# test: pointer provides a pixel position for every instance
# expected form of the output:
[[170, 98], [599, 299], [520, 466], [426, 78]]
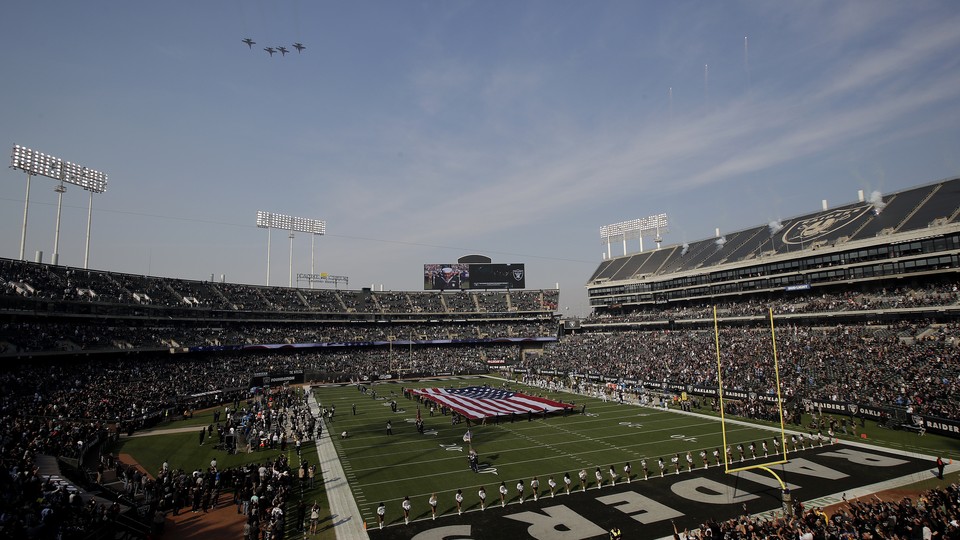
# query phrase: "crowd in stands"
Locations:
[[934, 514], [33, 506], [931, 295], [59, 408], [421, 359], [37, 336], [40, 281], [858, 363]]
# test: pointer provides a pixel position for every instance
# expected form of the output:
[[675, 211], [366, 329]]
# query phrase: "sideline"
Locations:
[[343, 508]]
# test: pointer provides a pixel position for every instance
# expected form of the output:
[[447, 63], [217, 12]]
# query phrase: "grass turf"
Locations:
[[384, 468]]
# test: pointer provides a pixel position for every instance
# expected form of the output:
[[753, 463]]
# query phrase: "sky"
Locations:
[[423, 131]]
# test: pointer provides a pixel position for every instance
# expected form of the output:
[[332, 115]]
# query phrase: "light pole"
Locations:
[[313, 243], [26, 207], [290, 280], [269, 220], [268, 256], [39, 164], [56, 233], [635, 228]]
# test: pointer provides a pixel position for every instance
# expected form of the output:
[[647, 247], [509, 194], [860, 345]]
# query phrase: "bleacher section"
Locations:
[[59, 310], [911, 232]]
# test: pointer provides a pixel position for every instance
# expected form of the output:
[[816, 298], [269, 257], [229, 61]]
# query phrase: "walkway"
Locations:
[[343, 509]]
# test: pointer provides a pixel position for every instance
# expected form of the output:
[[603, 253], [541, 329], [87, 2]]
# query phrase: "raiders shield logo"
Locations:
[[822, 224], [917, 420], [853, 408], [518, 274]]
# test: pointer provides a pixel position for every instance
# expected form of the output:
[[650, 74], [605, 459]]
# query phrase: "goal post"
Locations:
[[782, 455]]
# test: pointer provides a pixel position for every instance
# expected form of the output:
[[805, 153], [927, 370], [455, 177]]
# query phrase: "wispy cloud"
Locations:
[[896, 61], [579, 166]]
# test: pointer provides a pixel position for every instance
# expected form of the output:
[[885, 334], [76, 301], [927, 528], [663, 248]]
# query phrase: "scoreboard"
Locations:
[[460, 276]]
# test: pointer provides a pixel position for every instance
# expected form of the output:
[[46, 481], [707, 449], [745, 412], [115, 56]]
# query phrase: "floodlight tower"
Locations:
[[623, 229], [654, 226], [36, 163], [635, 228], [270, 220], [317, 228]]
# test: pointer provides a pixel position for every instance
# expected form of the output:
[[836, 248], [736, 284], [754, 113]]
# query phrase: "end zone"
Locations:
[[645, 509]]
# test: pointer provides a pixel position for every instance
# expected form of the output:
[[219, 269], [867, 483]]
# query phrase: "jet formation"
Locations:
[[270, 50]]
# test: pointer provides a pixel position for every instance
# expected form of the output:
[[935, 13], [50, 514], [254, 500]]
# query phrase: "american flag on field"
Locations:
[[475, 402]]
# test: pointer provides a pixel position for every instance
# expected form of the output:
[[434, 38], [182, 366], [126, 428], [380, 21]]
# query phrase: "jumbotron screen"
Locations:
[[440, 277]]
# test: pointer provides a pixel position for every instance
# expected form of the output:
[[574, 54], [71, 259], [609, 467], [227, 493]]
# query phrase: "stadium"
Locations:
[[110, 377], [454, 358]]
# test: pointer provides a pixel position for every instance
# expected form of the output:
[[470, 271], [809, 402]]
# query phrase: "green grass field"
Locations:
[[384, 468], [183, 451]]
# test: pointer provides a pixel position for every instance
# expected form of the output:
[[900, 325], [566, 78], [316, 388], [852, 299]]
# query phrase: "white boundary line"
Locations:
[[344, 512]]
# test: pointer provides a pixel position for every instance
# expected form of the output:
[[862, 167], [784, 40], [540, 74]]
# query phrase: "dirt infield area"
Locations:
[[222, 522]]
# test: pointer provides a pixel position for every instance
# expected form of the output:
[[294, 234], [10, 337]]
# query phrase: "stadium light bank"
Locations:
[[635, 228], [314, 227], [39, 164]]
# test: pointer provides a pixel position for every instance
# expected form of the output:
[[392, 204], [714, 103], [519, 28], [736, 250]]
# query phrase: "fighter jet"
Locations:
[[283, 51], [250, 43], [270, 50], [299, 47]]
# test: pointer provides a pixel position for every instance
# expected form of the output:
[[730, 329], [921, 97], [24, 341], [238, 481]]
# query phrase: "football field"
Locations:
[[382, 468]]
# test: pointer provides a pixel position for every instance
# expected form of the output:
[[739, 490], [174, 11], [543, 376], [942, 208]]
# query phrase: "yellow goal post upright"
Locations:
[[785, 493]]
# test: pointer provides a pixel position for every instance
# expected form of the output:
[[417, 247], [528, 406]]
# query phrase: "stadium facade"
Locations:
[[912, 234]]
